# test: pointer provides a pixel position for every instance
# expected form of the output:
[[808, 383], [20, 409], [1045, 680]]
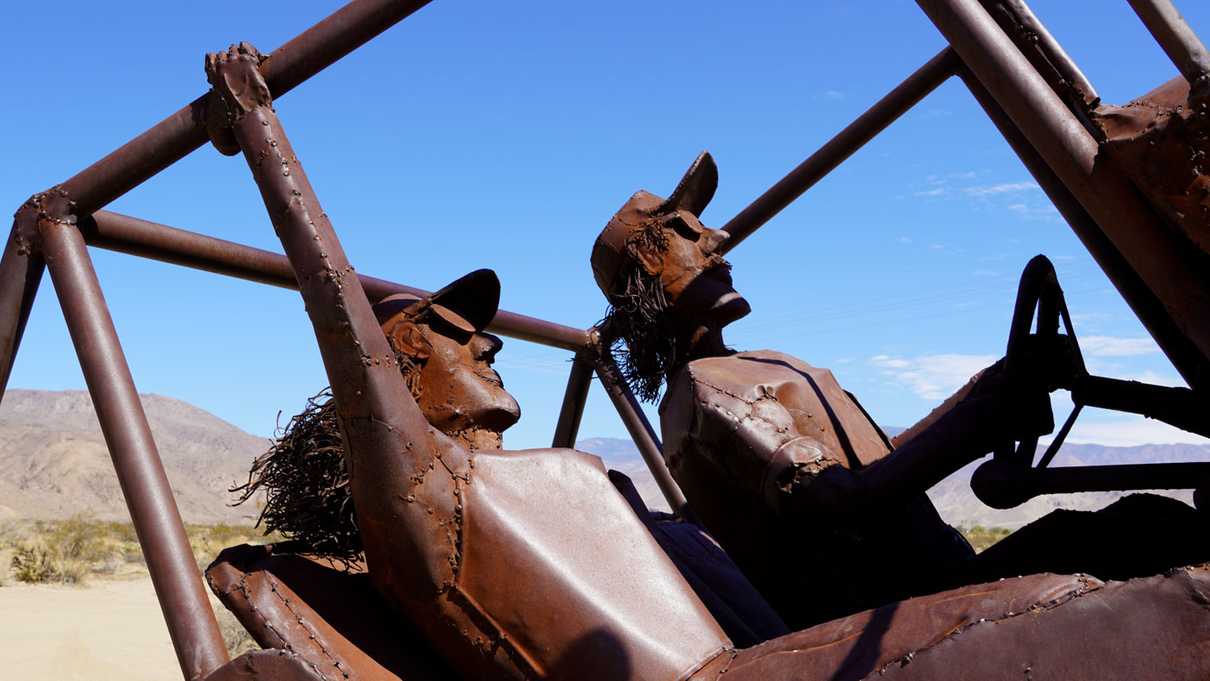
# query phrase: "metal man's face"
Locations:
[[695, 277], [459, 389]]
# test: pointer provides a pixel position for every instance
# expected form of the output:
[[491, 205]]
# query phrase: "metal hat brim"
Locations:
[[468, 303]]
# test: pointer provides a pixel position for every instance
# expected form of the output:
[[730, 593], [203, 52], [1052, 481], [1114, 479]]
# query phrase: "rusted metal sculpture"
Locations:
[[451, 535], [1148, 242]]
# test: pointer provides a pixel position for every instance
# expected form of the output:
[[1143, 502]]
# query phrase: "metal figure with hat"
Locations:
[[788, 471]]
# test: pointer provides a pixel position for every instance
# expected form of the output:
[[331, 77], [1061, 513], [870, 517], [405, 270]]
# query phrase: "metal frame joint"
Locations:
[[237, 88]]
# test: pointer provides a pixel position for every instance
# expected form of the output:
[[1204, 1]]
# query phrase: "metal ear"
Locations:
[[696, 188]]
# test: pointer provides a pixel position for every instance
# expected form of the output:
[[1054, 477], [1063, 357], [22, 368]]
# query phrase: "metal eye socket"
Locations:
[[690, 229]]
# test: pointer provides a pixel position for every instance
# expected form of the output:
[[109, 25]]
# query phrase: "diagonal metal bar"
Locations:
[[579, 380], [641, 432], [21, 268], [897, 102], [157, 521], [125, 234], [185, 130], [1043, 43]]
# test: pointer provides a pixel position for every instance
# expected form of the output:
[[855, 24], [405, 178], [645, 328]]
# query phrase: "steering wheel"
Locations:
[[997, 482]]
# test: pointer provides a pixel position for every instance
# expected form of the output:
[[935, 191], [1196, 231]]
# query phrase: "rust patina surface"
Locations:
[[1161, 142], [485, 563]]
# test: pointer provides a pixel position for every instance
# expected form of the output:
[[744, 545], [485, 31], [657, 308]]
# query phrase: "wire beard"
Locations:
[[306, 482], [640, 335]]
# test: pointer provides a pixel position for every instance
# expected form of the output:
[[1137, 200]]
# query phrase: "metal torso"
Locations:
[[526, 589], [726, 424]]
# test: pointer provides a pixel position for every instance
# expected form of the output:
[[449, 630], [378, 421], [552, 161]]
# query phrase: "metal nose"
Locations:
[[714, 240]]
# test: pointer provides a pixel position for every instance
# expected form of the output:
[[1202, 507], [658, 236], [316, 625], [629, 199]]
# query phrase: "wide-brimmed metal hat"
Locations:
[[692, 194], [468, 303]]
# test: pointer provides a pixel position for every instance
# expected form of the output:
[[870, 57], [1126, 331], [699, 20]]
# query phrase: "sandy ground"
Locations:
[[105, 631]]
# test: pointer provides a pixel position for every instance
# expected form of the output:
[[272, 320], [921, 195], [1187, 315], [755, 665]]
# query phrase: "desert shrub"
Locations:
[[65, 551], [207, 540], [72, 550], [79, 538], [36, 562]]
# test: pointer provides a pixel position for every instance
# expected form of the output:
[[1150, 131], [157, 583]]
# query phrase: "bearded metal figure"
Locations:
[[788, 471]]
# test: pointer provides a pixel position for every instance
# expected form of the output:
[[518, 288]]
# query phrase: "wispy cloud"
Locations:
[[932, 377], [1019, 198], [1001, 188], [1034, 212], [831, 95], [1113, 346], [1131, 431]]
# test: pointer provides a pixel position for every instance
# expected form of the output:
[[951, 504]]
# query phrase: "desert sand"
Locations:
[[103, 631]]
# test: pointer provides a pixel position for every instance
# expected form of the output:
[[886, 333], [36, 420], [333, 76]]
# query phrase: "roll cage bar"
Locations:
[[1033, 92]]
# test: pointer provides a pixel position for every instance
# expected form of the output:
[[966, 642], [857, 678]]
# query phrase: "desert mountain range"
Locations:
[[54, 463], [953, 496]]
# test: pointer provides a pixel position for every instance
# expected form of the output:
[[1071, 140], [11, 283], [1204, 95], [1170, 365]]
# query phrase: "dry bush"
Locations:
[[72, 550], [207, 540], [36, 562], [66, 551]]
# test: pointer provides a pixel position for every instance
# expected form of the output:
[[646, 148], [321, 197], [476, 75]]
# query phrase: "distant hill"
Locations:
[[953, 496], [621, 455], [54, 462]]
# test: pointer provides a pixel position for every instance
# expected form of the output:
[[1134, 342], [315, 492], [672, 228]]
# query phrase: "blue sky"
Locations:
[[505, 135]]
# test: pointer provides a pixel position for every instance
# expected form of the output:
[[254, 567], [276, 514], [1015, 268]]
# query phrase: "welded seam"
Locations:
[[283, 642], [1086, 586]]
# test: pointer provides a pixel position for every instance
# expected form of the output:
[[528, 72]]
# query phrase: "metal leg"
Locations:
[[905, 95], [1171, 272], [641, 431], [21, 269], [157, 521], [578, 382]]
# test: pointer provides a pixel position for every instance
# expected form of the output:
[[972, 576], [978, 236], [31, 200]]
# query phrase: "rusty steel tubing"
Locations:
[[21, 268], [1114, 478], [1046, 43], [185, 130], [134, 236], [897, 102], [640, 431], [1135, 231], [157, 521], [579, 380], [1180, 43], [1133, 289]]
